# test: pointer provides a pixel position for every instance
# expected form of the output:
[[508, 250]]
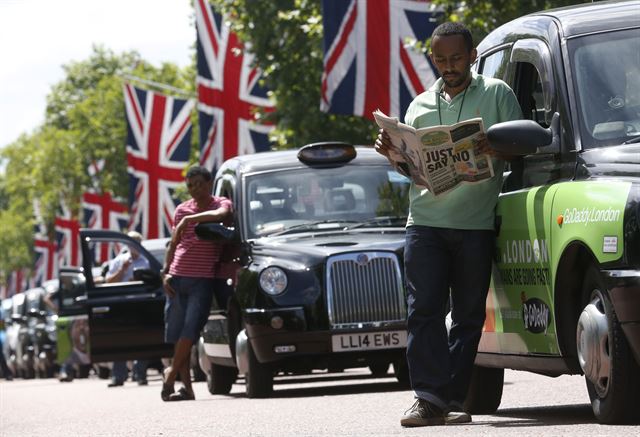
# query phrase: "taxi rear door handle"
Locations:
[[100, 310]]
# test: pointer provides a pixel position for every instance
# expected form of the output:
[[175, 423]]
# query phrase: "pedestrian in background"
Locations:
[[190, 278], [121, 269], [450, 239]]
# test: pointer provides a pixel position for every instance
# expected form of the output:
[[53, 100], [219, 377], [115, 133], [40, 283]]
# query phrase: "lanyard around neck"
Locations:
[[459, 110]]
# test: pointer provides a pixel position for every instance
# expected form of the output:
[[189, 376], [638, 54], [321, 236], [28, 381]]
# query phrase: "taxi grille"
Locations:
[[364, 288]]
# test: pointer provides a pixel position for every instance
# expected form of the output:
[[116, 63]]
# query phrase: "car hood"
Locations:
[[325, 244], [619, 161]]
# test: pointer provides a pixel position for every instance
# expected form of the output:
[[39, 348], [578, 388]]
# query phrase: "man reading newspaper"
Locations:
[[450, 235]]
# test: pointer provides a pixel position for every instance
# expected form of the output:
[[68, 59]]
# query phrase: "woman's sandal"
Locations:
[[182, 395], [167, 389]]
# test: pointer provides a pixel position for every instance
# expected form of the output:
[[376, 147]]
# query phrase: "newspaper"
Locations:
[[438, 158]]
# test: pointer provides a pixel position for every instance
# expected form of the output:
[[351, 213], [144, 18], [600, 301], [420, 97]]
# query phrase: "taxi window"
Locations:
[[283, 199], [495, 64]]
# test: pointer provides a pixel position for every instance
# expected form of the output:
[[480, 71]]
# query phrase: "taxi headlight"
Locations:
[[273, 280]]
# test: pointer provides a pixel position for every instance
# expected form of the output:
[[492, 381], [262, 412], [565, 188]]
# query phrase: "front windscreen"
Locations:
[[313, 199], [607, 86]]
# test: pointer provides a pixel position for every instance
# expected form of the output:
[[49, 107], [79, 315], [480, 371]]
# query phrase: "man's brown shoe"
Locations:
[[423, 413]]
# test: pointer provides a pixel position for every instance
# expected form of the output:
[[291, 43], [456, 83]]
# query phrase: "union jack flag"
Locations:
[[16, 282], [67, 230], [367, 63], [229, 92], [45, 266], [102, 211], [158, 142], [94, 169], [45, 262]]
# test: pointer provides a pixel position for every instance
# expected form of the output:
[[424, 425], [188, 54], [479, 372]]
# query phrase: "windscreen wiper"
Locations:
[[385, 220], [311, 225]]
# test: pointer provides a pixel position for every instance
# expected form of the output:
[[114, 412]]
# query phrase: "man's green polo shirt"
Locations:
[[468, 206]]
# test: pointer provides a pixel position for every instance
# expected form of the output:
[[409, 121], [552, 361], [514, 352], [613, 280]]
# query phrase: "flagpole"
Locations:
[[155, 84]]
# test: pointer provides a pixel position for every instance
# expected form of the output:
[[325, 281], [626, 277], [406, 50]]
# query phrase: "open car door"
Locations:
[[126, 319]]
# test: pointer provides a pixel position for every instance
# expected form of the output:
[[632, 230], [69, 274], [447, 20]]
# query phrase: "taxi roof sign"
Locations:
[[327, 153]]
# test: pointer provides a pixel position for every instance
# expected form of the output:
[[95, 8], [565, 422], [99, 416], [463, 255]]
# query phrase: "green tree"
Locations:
[[483, 16], [85, 121]]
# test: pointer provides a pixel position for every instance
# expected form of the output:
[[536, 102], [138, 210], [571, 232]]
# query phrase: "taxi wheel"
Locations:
[[611, 373], [220, 379], [29, 372], [50, 371], [485, 390], [198, 374], [259, 378]]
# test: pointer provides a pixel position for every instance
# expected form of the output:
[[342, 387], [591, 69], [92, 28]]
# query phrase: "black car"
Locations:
[[565, 296], [314, 257]]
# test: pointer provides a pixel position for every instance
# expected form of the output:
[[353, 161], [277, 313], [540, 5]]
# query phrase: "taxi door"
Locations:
[[520, 303], [126, 319]]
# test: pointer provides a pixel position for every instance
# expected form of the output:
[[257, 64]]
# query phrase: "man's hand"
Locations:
[[482, 146], [383, 143], [125, 264], [181, 227], [166, 284]]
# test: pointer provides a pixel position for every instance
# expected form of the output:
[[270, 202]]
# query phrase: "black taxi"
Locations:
[[314, 257]]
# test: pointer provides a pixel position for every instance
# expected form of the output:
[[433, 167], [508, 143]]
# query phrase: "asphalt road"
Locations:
[[345, 404]]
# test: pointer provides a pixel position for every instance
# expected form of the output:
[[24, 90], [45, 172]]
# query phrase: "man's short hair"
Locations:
[[198, 170], [451, 28], [135, 235]]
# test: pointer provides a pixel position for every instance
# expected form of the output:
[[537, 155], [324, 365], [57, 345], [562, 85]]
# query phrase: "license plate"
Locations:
[[369, 341]]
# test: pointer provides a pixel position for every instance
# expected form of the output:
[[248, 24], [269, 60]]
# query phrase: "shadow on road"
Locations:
[[351, 385], [319, 377], [545, 416]]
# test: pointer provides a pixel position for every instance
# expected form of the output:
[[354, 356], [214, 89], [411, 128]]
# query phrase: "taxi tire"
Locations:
[[220, 379], [198, 374], [620, 402], [485, 390], [259, 377]]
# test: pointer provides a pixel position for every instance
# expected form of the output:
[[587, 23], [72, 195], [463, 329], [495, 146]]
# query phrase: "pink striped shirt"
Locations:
[[193, 257]]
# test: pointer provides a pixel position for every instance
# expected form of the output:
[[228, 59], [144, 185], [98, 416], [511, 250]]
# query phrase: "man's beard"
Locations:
[[457, 80]]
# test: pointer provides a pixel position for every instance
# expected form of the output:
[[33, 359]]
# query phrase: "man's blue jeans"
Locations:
[[440, 263]]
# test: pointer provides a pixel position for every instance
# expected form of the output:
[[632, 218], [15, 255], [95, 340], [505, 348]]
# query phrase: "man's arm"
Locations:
[[117, 270], [214, 215]]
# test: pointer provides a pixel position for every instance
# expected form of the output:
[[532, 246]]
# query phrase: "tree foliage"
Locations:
[[483, 16], [84, 122]]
